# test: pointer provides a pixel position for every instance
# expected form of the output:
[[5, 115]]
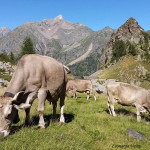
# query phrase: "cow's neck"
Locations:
[[15, 86]]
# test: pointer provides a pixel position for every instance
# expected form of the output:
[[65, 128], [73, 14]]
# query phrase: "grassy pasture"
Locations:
[[88, 127]]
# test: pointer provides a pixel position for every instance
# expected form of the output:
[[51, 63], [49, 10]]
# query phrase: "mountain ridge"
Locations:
[[58, 38]]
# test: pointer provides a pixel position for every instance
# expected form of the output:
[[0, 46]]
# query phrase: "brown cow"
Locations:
[[129, 95], [81, 86], [36, 76]]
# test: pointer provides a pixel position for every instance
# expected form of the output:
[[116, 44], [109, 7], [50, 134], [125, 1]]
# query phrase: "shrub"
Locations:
[[119, 50], [4, 57], [132, 50]]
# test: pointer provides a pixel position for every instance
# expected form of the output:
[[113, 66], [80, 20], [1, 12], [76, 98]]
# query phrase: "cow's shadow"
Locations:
[[122, 111], [128, 113], [125, 112], [47, 118]]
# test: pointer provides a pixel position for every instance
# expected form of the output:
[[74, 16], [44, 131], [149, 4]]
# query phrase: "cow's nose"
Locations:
[[4, 133]]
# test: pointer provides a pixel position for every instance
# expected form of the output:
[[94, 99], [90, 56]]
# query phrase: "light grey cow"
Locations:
[[81, 86], [129, 95], [35, 76]]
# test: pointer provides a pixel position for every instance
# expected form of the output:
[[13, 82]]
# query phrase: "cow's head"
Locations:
[[8, 111]]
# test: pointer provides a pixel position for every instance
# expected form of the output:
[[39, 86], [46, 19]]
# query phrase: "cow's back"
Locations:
[[126, 93], [37, 71]]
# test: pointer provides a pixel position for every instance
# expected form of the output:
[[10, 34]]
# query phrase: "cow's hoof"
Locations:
[[41, 127], [28, 124], [54, 120]]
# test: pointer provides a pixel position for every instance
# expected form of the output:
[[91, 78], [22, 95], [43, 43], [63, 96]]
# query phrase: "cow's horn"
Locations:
[[67, 69], [16, 95]]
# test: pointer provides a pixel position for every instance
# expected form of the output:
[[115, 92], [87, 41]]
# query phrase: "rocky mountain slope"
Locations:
[[4, 31], [7, 68], [130, 39], [98, 41], [67, 42]]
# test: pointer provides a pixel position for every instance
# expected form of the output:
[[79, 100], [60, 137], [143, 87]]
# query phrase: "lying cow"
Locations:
[[36, 76], [81, 86], [129, 95]]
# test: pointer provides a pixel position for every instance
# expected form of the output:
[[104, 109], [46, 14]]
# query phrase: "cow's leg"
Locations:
[[112, 109], [88, 94], [74, 94], [108, 104], [16, 118], [93, 92], [30, 100], [62, 99], [138, 113], [54, 110], [94, 95], [42, 97], [27, 106], [111, 105], [62, 118], [27, 120]]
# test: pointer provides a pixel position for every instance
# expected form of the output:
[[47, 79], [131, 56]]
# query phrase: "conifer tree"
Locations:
[[27, 47]]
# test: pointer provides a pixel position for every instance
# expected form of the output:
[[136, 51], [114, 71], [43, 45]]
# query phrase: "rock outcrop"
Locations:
[[133, 37]]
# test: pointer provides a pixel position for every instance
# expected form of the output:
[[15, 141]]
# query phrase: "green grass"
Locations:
[[88, 127]]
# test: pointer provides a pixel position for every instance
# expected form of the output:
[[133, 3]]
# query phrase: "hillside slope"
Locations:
[[89, 65], [129, 70]]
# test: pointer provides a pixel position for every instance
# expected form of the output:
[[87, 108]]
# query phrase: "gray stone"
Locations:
[[135, 134]]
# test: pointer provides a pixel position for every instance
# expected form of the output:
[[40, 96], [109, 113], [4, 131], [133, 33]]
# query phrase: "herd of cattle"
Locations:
[[44, 78]]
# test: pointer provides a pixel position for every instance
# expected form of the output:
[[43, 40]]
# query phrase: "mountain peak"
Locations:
[[107, 29], [131, 24], [130, 30], [131, 20], [59, 17]]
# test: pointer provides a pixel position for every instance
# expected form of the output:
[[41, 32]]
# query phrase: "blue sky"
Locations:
[[96, 14]]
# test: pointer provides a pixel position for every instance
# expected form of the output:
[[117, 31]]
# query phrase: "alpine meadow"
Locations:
[[72, 51]]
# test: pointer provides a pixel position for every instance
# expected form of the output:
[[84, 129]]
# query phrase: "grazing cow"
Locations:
[[35, 76], [129, 95], [81, 86]]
